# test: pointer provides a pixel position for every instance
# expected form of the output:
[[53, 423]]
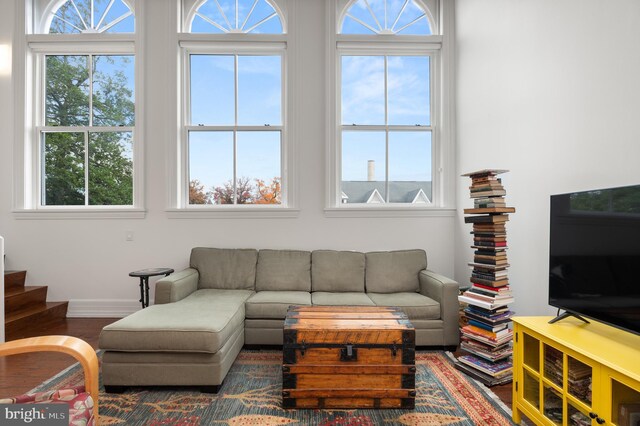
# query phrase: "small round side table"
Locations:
[[144, 275]]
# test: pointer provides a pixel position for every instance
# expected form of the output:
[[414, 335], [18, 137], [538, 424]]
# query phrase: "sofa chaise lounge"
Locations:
[[227, 298]]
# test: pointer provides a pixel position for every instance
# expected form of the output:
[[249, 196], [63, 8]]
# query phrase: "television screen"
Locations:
[[594, 263]]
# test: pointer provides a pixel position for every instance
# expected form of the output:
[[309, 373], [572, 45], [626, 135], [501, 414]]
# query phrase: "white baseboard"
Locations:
[[109, 308]]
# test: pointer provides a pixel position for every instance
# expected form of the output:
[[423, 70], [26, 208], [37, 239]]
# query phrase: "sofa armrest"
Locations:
[[444, 291], [176, 286]]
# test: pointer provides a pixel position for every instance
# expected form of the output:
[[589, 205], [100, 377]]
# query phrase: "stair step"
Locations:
[[35, 320], [14, 279], [19, 298]]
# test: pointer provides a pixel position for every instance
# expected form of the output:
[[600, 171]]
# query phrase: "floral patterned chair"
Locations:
[[82, 400]]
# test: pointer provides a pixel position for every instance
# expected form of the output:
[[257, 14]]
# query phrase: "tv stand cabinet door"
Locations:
[[552, 383], [620, 396]]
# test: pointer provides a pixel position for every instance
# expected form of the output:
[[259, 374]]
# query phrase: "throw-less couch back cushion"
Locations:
[[288, 270], [337, 271], [394, 271], [225, 268]]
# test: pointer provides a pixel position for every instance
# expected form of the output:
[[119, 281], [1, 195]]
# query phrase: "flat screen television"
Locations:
[[594, 262]]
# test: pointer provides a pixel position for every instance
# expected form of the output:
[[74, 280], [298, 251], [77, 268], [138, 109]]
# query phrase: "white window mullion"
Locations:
[[40, 116], [90, 58], [86, 167], [186, 168], [385, 15], [235, 131], [43, 175], [92, 20], [391, 128], [386, 129], [187, 90], [86, 132], [184, 165], [95, 129], [257, 128]]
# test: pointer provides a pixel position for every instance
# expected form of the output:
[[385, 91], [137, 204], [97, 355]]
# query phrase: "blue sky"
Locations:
[[213, 103], [363, 102]]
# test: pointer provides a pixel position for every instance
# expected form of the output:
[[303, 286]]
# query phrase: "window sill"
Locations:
[[234, 213], [96, 213], [389, 211]]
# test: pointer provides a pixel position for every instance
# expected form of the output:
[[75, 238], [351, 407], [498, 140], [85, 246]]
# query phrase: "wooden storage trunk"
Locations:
[[348, 357]]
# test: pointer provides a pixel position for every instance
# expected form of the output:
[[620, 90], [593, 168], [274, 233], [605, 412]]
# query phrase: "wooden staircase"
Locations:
[[26, 310]]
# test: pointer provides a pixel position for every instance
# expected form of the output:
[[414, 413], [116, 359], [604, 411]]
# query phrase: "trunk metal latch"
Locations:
[[349, 353]]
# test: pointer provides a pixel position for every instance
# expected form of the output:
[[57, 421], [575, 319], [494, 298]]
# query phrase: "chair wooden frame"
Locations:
[[77, 348]]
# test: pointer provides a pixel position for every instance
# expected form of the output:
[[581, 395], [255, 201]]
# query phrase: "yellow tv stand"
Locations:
[[572, 373]]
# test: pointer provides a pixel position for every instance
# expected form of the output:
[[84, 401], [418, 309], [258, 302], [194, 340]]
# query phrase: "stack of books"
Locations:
[[487, 336]]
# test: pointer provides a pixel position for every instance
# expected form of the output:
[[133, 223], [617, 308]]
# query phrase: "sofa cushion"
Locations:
[[337, 271], [225, 268], [274, 304], [340, 299], [201, 322], [394, 271], [288, 270], [415, 305]]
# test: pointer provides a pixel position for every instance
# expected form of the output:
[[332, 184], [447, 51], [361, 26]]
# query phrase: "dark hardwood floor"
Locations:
[[21, 373]]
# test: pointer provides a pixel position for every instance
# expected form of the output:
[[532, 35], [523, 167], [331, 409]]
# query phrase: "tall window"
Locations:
[[234, 114], [387, 109], [84, 109]]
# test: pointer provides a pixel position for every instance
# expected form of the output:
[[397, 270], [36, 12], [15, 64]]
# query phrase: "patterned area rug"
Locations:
[[251, 395]]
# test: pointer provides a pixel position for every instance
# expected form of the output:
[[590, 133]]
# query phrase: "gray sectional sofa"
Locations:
[[203, 315]]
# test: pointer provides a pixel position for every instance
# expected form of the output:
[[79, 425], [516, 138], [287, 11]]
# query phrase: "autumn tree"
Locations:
[[247, 192], [268, 194], [198, 194], [224, 194]]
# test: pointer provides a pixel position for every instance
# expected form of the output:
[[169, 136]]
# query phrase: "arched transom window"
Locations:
[[236, 16], [386, 17], [91, 16]]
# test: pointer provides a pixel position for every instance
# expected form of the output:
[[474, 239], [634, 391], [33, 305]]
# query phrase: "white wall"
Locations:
[[547, 89], [6, 121], [88, 261], [551, 91]]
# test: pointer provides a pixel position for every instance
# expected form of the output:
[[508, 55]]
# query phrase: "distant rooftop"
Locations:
[[374, 192]]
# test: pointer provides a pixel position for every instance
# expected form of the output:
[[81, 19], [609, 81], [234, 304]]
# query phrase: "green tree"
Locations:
[[110, 164], [616, 200]]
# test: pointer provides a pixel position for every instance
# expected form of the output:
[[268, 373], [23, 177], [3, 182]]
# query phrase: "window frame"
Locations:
[[30, 100], [234, 43], [264, 49], [347, 49], [439, 47]]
